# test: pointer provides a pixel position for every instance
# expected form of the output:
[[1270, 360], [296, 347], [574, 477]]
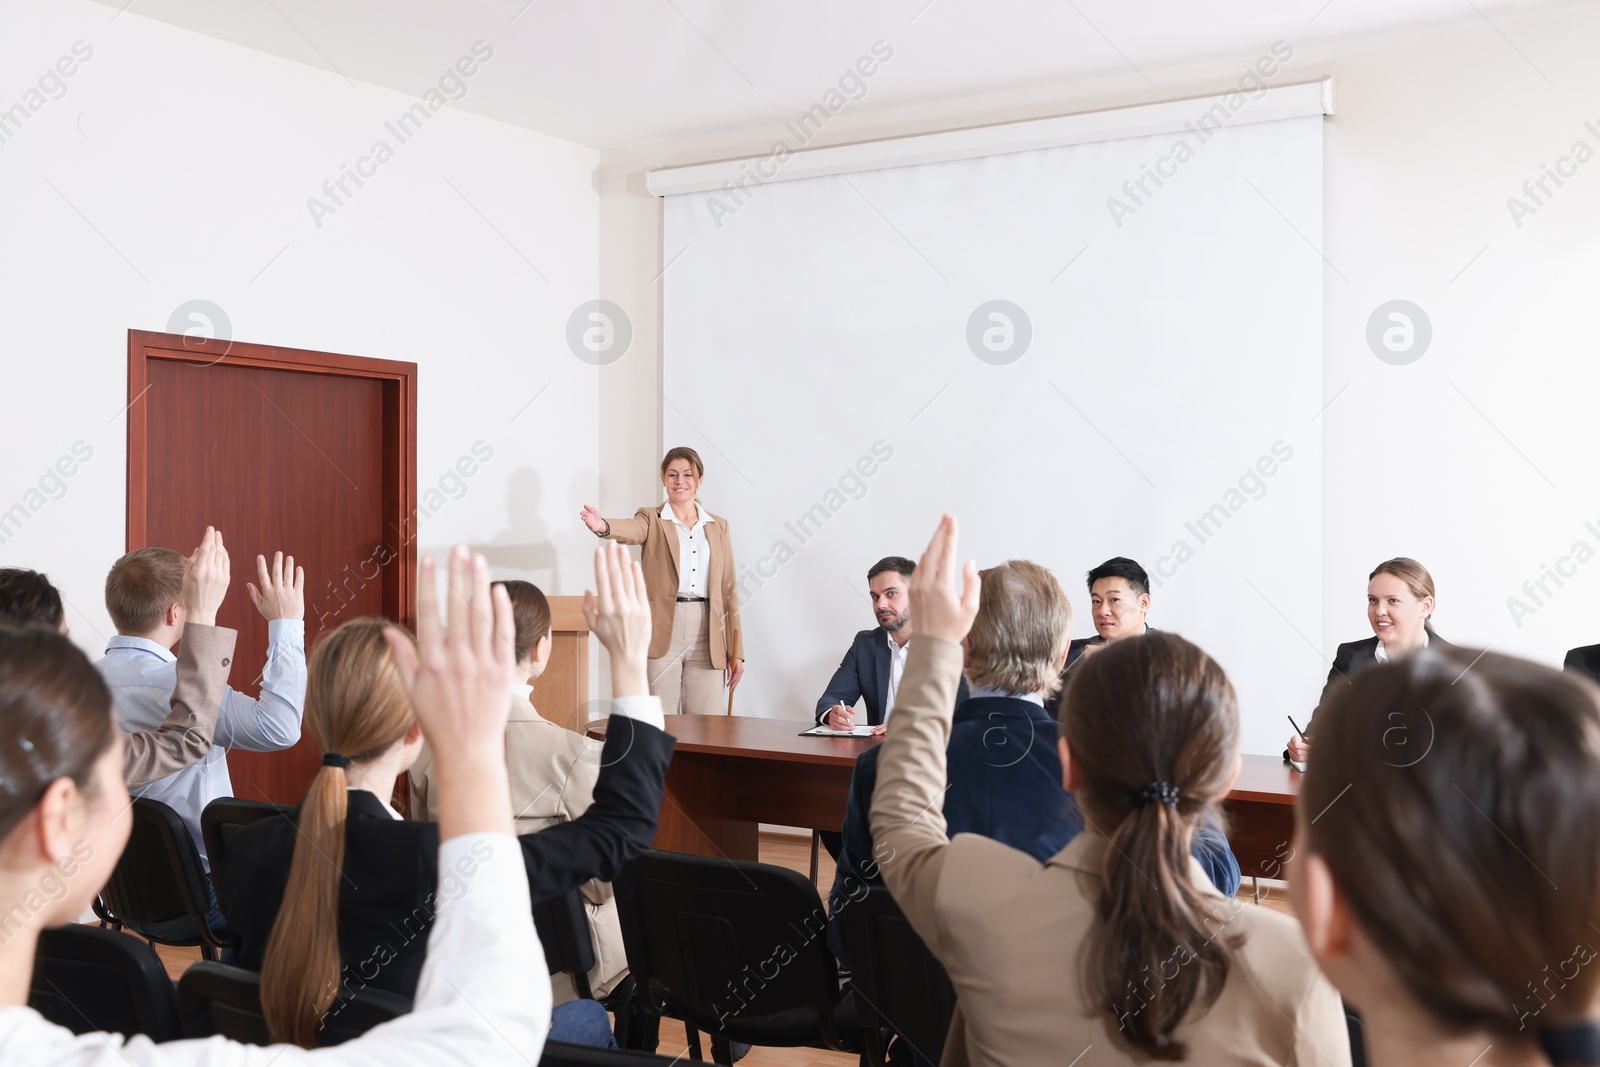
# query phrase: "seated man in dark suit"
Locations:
[[1005, 767], [1584, 661], [1119, 599]]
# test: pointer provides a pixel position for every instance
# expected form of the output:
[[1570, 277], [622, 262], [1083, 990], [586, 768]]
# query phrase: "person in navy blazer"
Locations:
[[1119, 600], [1400, 612], [868, 671], [1584, 661]]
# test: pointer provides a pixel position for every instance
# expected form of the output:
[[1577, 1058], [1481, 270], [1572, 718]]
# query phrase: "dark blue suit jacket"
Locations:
[[1004, 783], [864, 674], [1584, 661]]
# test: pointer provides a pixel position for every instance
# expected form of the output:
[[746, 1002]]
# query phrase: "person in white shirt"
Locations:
[[63, 825], [144, 596]]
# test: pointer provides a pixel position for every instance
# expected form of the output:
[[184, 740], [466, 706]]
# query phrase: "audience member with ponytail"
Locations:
[[343, 895], [63, 825], [1447, 868], [1119, 943]]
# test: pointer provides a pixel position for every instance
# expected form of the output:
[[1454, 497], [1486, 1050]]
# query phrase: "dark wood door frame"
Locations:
[[399, 427]]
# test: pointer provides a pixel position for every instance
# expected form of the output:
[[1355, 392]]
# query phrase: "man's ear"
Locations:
[[175, 613], [1144, 602], [1070, 778]]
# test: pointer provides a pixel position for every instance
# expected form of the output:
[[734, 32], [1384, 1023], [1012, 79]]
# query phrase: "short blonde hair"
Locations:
[[1023, 625]]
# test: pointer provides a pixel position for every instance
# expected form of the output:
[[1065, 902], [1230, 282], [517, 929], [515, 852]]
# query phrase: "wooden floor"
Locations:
[[786, 851]]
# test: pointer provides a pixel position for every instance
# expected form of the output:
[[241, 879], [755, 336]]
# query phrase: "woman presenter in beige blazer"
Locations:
[[695, 645]]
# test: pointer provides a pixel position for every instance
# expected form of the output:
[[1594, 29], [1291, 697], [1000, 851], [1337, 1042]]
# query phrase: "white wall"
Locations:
[[188, 164], [1474, 459]]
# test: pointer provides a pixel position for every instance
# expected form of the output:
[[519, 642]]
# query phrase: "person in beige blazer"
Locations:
[[696, 649], [1117, 950], [553, 772]]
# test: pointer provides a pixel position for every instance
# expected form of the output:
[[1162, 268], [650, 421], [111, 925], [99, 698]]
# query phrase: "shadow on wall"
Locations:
[[527, 547]]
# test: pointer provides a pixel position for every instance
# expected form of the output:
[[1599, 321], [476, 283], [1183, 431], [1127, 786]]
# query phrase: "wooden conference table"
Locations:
[[729, 774]]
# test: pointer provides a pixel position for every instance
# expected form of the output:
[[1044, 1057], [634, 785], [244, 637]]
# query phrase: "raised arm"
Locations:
[[204, 659], [909, 832], [621, 822], [626, 531], [271, 722]]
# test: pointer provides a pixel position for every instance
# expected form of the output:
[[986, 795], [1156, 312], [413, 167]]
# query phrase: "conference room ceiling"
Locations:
[[610, 73]]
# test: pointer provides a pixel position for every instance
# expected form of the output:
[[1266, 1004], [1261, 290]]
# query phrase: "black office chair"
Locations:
[[734, 948], [560, 1054], [898, 982], [159, 878], [1358, 1037], [221, 822], [217, 998], [87, 979], [564, 931]]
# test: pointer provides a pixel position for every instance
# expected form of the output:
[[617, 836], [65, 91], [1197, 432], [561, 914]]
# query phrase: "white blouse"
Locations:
[[477, 1002], [694, 552]]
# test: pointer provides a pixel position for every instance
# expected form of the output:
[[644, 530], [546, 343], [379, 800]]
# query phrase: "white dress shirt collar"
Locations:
[[141, 644], [1381, 654], [702, 516], [995, 691]]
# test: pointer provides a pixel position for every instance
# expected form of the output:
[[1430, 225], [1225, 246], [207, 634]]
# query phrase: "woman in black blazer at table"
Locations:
[[343, 895], [1400, 611]]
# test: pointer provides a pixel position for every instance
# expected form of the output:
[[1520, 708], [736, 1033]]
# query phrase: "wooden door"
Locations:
[[310, 453]]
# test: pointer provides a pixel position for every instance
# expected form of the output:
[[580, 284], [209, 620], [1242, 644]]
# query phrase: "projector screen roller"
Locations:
[[1083, 352]]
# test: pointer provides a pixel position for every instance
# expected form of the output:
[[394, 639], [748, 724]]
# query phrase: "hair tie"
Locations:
[[1158, 793], [1574, 1042], [333, 759]]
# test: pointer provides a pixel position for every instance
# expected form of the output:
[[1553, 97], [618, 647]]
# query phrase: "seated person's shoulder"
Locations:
[[1274, 953]]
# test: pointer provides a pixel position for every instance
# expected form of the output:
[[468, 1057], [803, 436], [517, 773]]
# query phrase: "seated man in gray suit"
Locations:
[[871, 670]]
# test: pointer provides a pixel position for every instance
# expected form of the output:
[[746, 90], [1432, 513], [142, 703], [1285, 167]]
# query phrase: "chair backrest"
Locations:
[[217, 998], [560, 1054], [221, 822], [727, 939], [159, 877], [88, 979], [900, 983], [563, 926]]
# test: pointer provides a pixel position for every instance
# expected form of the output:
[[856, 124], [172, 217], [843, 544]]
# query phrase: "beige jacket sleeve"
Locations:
[[909, 833], [630, 531], [185, 735]]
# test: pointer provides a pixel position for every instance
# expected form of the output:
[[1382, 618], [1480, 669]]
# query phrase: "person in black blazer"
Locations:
[[867, 672], [388, 882], [1400, 612], [1119, 600], [1584, 661]]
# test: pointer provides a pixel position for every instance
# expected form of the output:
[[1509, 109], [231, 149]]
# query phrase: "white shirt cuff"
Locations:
[[286, 629], [645, 709]]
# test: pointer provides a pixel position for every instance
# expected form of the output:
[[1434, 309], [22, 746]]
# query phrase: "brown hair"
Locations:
[[356, 706], [683, 452], [1140, 713], [141, 587], [1416, 577], [530, 611], [1023, 625], [28, 599], [55, 718], [1468, 789]]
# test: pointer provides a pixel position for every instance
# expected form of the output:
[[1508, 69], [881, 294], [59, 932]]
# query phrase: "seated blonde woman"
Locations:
[[553, 774], [1118, 949]]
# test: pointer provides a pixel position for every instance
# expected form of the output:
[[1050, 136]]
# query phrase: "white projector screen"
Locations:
[[1151, 388]]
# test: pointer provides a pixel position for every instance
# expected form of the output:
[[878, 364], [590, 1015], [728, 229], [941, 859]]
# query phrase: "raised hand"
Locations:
[[619, 615], [282, 591], [460, 683], [205, 581], [934, 604], [593, 519]]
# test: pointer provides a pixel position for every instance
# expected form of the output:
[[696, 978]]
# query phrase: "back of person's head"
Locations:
[[141, 587], [1022, 629], [1414, 575], [55, 724], [357, 708], [905, 568], [28, 599], [530, 610], [1124, 568], [1152, 728], [1463, 842]]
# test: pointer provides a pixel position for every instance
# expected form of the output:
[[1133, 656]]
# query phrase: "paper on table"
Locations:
[[863, 730]]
